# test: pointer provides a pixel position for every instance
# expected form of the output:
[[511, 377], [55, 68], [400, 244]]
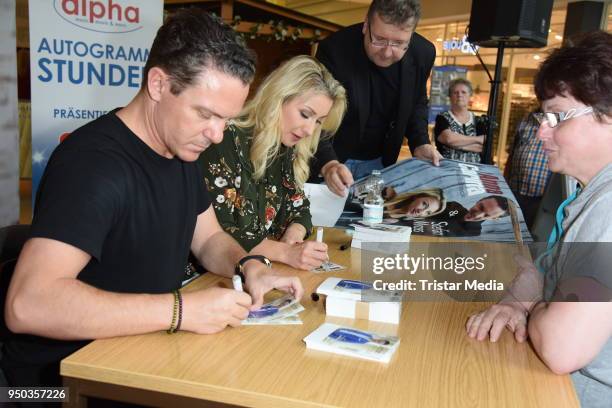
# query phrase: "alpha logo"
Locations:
[[105, 16]]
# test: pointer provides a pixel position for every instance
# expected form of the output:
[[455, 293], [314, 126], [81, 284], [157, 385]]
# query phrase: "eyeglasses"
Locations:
[[554, 118], [382, 43]]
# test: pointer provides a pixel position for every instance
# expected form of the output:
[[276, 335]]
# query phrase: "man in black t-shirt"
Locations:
[[120, 206], [383, 65]]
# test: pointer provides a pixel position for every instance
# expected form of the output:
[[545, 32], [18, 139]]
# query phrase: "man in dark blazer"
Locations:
[[384, 66]]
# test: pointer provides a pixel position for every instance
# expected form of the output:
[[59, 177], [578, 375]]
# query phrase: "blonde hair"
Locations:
[[263, 113], [399, 201]]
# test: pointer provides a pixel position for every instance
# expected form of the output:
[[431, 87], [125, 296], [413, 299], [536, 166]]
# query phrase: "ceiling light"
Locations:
[[536, 57]]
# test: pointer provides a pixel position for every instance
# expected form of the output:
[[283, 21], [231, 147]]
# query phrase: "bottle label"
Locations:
[[373, 213]]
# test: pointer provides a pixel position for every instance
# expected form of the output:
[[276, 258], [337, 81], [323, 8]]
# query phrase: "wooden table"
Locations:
[[436, 365]]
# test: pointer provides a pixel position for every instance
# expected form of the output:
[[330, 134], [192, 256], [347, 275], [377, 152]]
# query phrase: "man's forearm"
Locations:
[[273, 250], [220, 253], [416, 140], [323, 156], [69, 309]]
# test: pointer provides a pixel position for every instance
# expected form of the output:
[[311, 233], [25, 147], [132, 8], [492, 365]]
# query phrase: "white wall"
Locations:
[[9, 150]]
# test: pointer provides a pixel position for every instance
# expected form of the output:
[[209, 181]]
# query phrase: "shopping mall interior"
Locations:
[[443, 22], [166, 242]]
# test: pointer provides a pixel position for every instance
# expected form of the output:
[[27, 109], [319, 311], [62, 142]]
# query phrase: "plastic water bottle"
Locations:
[[373, 204]]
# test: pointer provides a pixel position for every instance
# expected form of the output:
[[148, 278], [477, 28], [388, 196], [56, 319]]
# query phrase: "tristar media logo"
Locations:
[[106, 16]]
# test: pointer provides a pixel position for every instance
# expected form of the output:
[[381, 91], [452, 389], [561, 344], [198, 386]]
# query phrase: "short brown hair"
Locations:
[[583, 69], [191, 40], [397, 12]]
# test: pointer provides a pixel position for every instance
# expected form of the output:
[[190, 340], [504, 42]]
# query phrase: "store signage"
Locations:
[[462, 45], [86, 58]]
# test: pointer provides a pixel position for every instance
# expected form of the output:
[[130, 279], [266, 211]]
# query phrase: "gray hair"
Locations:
[[460, 81], [396, 12]]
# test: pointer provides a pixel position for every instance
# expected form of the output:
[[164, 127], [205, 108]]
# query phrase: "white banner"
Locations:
[[86, 58]]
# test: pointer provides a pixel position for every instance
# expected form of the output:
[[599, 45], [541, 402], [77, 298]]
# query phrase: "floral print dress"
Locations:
[[252, 210]]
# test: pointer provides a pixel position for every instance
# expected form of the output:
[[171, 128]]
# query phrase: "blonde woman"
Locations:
[[414, 204], [256, 174]]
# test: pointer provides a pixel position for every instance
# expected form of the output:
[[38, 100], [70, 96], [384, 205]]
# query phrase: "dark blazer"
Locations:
[[343, 54]]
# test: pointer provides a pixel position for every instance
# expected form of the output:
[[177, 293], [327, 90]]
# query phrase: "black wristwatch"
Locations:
[[239, 268]]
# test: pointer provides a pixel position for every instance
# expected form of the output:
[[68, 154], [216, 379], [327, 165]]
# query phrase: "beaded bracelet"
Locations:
[[180, 311], [175, 312]]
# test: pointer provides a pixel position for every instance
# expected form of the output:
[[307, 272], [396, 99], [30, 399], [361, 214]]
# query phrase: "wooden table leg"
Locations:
[[76, 399]]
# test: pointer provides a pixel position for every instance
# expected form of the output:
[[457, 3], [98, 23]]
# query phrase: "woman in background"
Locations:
[[256, 175], [455, 132], [563, 303]]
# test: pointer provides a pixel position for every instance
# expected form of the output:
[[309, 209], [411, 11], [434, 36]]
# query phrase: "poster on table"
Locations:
[[457, 199], [86, 58]]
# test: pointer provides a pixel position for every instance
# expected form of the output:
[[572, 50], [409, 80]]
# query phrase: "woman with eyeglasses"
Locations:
[[256, 174], [456, 132], [563, 302]]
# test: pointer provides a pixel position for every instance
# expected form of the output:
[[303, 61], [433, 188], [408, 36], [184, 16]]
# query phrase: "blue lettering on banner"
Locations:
[[89, 72], [42, 63], [62, 70], [96, 50], [116, 75], [133, 74], [100, 75], [72, 113]]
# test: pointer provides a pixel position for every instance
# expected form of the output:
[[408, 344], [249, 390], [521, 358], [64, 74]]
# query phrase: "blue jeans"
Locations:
[[363, 168]]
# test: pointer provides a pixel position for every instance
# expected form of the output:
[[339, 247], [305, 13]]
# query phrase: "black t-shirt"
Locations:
[[384, 96], [106, 192]]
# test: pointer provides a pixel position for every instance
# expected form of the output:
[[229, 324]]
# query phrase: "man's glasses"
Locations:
[[554, 118], [382, 43]]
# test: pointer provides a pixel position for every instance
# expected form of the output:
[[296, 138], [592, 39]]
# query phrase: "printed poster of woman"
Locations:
[[428, 213]]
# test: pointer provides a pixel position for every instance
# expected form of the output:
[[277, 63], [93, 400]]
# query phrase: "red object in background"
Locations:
[[63, 136]]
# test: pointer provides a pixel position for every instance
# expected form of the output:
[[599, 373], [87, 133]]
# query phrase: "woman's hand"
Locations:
[[492, 321], [292, 250], [524, 292], [294, 234], [306, 255]]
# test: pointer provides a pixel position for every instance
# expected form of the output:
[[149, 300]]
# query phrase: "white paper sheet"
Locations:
[[325, 206]]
